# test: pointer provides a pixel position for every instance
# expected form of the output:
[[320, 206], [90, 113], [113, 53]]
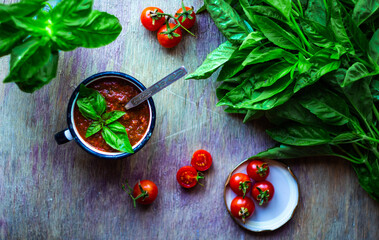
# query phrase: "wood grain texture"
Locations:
[[60, 192]]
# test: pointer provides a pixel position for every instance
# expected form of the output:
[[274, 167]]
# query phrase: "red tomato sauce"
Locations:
[[117, 93]]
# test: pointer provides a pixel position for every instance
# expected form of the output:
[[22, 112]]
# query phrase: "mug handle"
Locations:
[[63, 137]]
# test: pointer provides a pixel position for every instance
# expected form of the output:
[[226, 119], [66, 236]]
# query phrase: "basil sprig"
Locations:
[[92, 105], [33, 36]]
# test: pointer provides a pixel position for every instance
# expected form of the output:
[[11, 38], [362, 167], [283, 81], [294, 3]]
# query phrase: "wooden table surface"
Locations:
[[61, 192]]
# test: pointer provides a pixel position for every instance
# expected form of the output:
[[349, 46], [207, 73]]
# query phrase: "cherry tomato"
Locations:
[[201, 160], [263, 192], [169, 40], [145, 192], [242, 208], [150, 20], [188, 19], [258, 170], [187, 177], [240, 183]]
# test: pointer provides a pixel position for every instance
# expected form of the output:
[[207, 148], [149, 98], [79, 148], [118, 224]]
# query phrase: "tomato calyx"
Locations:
[[171, 31], [262, 196], [155, 16], [176, 18], [186, 13], [262, 170], [243, 186], [199, 176], [244, 213], [144, 194]]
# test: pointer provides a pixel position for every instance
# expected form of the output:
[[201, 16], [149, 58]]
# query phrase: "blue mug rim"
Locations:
[[71, 124]]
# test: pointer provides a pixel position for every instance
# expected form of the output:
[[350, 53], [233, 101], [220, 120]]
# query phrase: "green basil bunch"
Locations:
[[33, 36], [311, 67], [92, 105]]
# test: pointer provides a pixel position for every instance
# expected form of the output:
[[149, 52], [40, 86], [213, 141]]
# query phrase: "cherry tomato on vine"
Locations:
[[240, 183], [242, 208], [188, 177], [188, 19], [169, 38], [145, 192], [258, 170], [263, 192], [150, 20], [201, 160]]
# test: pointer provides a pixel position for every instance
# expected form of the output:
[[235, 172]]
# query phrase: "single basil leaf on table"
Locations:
[[326, 105], [10, 37], [277, 34], [87, 109], [98, 30], [44, 75], [286, 151], [300, 135], [374, 48], [119, 141], [364, 9], [213, 61], [227, 20], [95, 127], [27, 59], [260, 55], [110, 117], [20, 9], [72, 13]]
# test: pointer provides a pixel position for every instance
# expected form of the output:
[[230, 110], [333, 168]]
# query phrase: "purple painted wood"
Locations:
[[61, 192]]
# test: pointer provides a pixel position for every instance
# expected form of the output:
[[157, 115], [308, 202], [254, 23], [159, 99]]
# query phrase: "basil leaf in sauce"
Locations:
[[87, 109], [119, 141], [94, 98], [110, 117], [93, 128]]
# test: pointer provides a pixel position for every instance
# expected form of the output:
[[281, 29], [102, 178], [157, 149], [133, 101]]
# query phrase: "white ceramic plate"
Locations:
[[282, 206]]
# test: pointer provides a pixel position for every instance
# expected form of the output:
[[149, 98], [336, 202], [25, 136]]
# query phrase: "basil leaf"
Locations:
[[363, 9], [95, 127], [110, 117], [259, 55], [266, 11], [72, 13], [36, 27], [277, 35], [254, 38], [44, 75], [10, 37], [27, 59], [272, 74], [87, 109], [355, 72], [20, 9], [300, 135], [227, 20], [283, 6], [285, 152], [98, 30], [316, 11], [202, 9], [336, 24], [276, 100], [374, 48], [117, 141], [213, 61], [368, 178], [327, 106], [117, 127], [252, 115], [317, 33], [95, 99]]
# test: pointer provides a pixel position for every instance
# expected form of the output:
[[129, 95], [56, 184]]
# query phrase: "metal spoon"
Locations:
[[164, 82]]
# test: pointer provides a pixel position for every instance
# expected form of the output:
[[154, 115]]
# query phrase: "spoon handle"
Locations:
[[158, 86]]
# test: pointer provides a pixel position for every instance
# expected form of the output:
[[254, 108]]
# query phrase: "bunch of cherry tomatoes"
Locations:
[[243, 207], [169, 34]]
